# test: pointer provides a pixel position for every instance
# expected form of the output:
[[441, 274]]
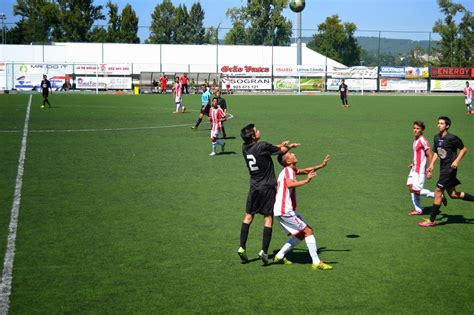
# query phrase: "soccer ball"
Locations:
[[297, 5]]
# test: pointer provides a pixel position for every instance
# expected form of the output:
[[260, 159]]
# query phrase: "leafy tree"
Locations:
[[162, 23], [416, 58], [337, 41], [211, 35], [77, 18], [99, 35], [196, 24], [38, 20], [456, 44], [260, 22], [181, 33], [129, 27], [115, 22]]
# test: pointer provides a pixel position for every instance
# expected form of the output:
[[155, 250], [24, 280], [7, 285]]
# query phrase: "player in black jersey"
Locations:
[[261, 196], [222, 104], [445, 147], [343, 94], [45, 87]]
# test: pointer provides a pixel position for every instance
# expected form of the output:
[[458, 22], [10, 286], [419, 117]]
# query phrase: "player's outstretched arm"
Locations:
[[314, 168], [292, 183], [285, 146]]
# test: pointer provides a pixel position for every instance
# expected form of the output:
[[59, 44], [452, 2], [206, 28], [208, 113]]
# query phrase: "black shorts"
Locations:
[[448, 180], [261, 201], [45, 93], [205, 110]]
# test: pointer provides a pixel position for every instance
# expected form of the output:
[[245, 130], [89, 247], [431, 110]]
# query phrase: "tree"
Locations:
[[337, 41], [456, 45], [77, 18], [38, 20], [196, 24], [211, 35], [161, 29], [416, 57], [259, 23], [181, 33], [115, 22], [129, 27]]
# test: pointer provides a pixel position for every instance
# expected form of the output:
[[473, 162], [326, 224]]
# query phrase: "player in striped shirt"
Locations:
[[178, 96], [417, 176], [285, 209], [216, 117], [468, 98]]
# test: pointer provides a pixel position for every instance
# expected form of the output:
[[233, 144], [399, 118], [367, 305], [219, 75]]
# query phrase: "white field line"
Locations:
[[7, 275], [230, 116]]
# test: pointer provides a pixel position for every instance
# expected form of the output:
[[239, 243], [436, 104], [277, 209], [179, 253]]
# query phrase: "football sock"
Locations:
[[427, 193], [313, 250], [434, 212], [416, 201], [198, 122], [267, 237], [213, 147], [244, 233], [468, 197], [292, 242], [178, 106]]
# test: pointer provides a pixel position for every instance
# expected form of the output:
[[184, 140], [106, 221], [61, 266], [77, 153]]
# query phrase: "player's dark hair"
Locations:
[[215, 98], [419, 123], [247, 133], [447, 121], [281, 159]]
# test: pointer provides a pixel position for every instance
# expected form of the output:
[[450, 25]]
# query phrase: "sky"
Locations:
[[395, 18]]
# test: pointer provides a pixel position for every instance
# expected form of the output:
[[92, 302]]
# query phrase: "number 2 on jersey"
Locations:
[[252, 162]]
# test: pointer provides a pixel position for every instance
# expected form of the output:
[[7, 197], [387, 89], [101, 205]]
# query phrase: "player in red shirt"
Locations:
[[468, 98], [184, 83], [216, 117], [164, 82]]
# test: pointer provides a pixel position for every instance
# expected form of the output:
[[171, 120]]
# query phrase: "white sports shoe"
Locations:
[[212, 153]]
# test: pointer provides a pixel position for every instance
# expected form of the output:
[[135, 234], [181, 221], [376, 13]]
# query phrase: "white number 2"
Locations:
[[252, 162]]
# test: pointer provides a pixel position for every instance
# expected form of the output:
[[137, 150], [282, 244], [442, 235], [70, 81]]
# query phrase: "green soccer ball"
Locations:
[[297, 5]]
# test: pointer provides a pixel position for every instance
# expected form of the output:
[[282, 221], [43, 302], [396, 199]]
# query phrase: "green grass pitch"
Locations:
[[123, 211]]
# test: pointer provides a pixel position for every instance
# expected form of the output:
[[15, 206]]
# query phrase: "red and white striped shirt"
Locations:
[[420, 146], [285, 200], [468, 92], [178, 90], [216, 114]]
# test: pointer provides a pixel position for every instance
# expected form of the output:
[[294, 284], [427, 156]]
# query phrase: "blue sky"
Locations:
[[378, 15]]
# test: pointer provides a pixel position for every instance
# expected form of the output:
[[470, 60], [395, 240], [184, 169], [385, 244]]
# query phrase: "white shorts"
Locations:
[[177, 99], [467, 100], [416, 181], [216, 133], [292, 223]]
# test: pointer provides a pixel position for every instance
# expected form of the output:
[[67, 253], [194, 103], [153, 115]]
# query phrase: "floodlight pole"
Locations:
[[298, 39]]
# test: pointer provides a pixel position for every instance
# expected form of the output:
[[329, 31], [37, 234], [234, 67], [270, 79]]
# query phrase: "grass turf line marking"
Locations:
[[7, 275]]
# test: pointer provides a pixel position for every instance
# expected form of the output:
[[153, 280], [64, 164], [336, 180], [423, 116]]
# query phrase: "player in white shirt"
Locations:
[[416, 179], [216, 117], [178, 96], [285, 210], [468, 98]]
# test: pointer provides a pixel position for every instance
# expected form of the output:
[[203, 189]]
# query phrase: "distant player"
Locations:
[[222, 104], [227, 84], [205, 105], [45, 88], [178, 97], [468, 98], [285, 209], [445, 147], [216, 117], [163, 83], [261, 197], [184, 83], [416, 179], [343, 94]]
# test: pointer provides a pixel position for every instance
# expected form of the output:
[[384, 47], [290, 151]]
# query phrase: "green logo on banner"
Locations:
[[23, 68]]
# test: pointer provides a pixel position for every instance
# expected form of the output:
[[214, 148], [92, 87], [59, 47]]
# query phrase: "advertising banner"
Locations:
[[305, 84], [245, 70], [353, 84], [294, 71], [451, 73], [104, 69], [3, 76], [27, 77], [449, 85], [392, 72], [416, 73], [104, 83], [240, 83], [354, 72], [403, 85]]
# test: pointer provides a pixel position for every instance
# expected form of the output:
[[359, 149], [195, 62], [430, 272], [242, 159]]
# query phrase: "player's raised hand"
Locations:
[[293, 145], [310, 176], [326, 160]]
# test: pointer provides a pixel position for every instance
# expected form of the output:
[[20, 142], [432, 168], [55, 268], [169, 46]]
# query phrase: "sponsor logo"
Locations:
[[246, 69]]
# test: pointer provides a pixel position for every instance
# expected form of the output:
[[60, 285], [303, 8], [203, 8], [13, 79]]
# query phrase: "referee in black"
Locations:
[[45, 87], [446, 146], [263, 185]]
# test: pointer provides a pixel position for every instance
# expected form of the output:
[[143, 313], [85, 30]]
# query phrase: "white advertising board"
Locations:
[[449, 85], [354, 73], [104, 69], [353, 84], [403, 85], [245, 70], [111, 83], [28, 76], [240, 83]]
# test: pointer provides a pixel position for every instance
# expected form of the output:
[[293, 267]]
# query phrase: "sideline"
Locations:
[[7, 275]]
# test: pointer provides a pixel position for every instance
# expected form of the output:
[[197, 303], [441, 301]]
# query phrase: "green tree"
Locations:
[[211, 35], [416, 57], [161, 29], [115, 22], [77, 18], [181, 34], [260, 22], [337, 41], [196, 24], [129, 27], [455, 49], [39, 18]]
